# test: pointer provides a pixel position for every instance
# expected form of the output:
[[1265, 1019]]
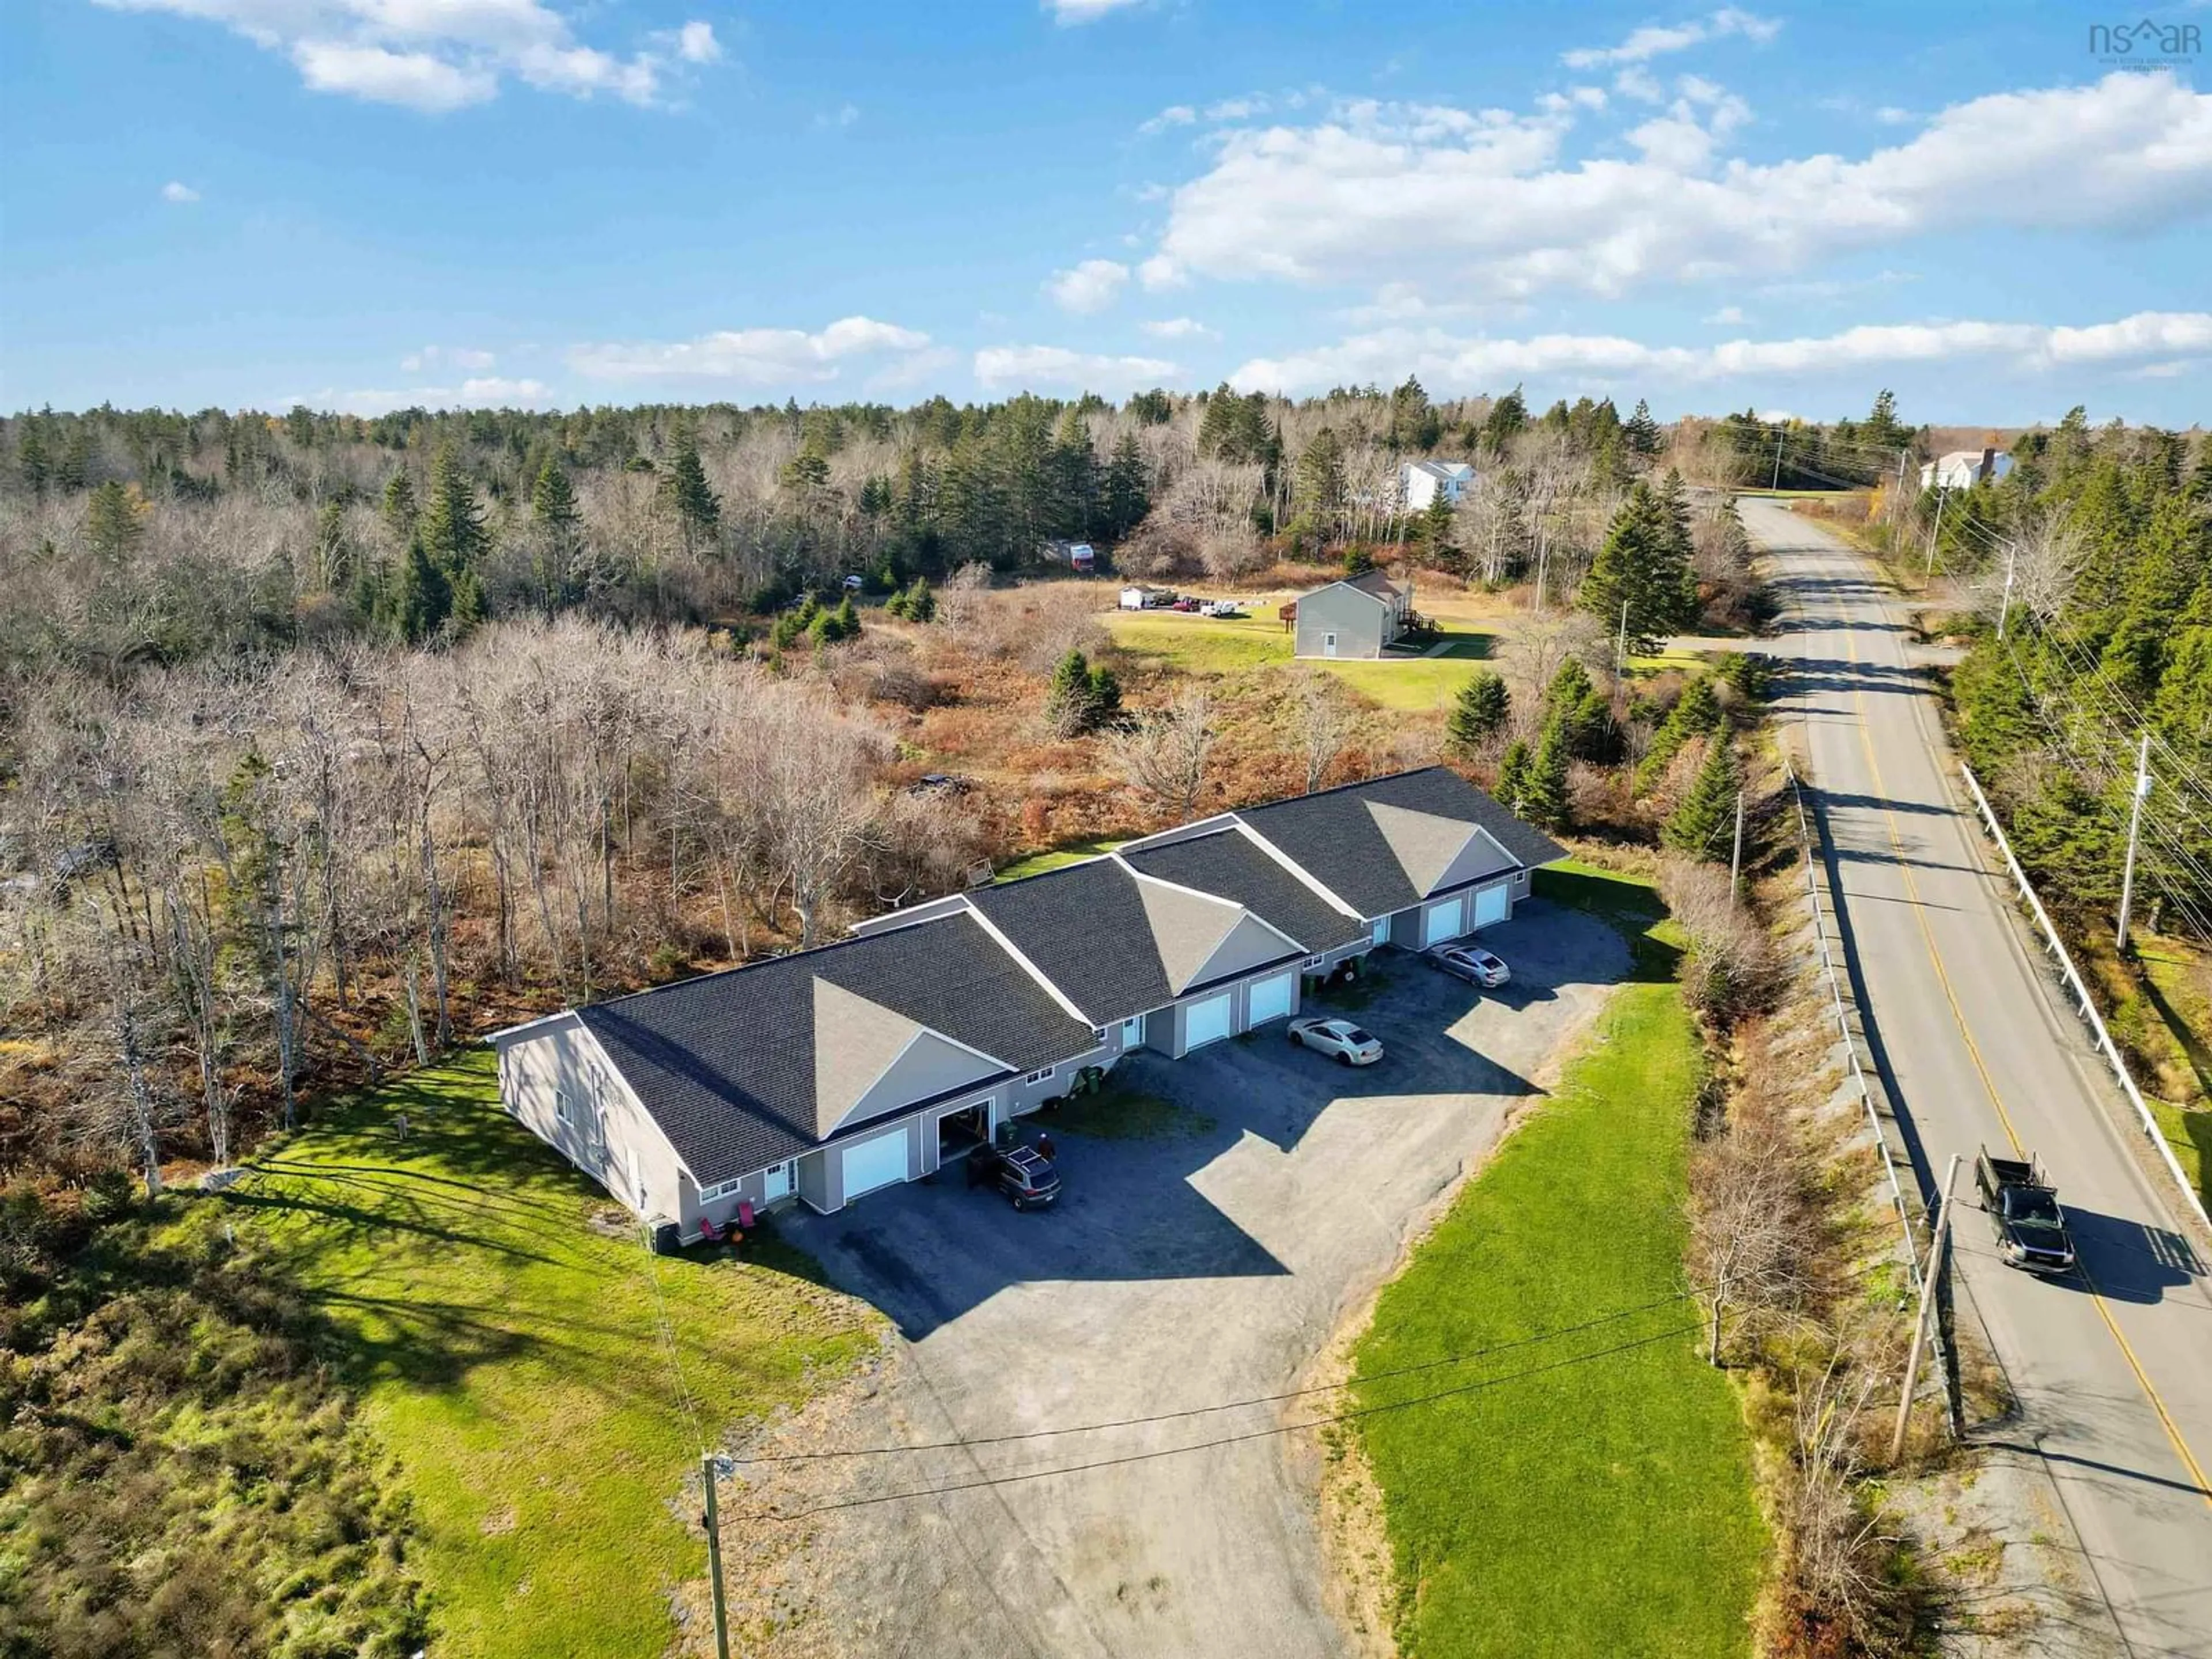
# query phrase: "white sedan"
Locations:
[[1350, 1044], [1471, 963]]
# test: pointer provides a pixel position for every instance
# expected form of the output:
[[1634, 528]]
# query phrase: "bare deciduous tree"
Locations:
[[1165, 752], [1323, 720]]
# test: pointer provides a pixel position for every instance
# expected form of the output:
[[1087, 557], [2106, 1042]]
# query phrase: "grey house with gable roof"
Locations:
[[1354, 618], [827, 1073]]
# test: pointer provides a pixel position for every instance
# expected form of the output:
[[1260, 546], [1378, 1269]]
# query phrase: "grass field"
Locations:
[[510, 1355], [1591, 1492], [1037, 863], [1204, 645]]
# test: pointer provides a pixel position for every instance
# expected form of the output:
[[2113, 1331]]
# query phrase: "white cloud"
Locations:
[[1656, 41], [173, 191], [1453, 364], [489, 392], [456, 356], [696, 43], [836, 119], [1180, 328], [1238, 109], [1891, 116], [1013, 367], [751, 357], [1480, 203], [1066, 13], [1092, 286], [438, 55], [1641, 85], [1727, 316], [1160, 273], [1175, 115]]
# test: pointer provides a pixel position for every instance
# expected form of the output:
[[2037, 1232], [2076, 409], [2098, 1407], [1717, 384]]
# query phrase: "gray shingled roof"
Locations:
[[724, 1063], [1334, 838], [1228, 863], [1085, 929]]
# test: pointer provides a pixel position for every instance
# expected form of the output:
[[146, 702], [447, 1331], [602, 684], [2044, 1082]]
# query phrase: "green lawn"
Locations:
[[1037, 863], [1204, 645], [510, 1357], [1591, 1501]]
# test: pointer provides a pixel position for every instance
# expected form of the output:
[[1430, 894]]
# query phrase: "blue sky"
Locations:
[[365, 203]]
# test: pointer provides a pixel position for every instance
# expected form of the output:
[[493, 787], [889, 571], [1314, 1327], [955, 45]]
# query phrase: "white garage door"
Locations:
[[1443, 922], [1271, 998], [873, 1163], [1205, 1022], [1492, 904]]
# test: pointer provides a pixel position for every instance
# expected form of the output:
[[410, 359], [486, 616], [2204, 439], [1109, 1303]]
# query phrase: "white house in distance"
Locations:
[[1420, 483], [1962, 469]]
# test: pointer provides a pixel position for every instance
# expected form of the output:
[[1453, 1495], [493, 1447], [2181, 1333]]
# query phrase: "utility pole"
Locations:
[[710, 1472], [1928, 575], [1928, 1282], [2135, 834], [1778, 430], [2004, 605], [1735, 859]]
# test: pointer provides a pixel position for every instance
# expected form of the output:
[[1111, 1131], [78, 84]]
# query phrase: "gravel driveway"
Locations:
[[1177, 1272]]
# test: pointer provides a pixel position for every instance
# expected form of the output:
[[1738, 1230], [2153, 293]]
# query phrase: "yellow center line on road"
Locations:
[[1973, 1050]]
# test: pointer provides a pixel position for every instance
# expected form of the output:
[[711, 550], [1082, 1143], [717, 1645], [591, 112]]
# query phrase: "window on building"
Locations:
[[561, 1108], [1040, 1077], [1313, 964]]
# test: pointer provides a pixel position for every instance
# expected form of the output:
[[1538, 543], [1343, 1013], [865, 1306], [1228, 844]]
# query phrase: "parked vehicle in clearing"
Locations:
[[1222, 610], [1023, 1174], [1471, 963], [2024, 1213], [1349, 1043], [1185, 604]]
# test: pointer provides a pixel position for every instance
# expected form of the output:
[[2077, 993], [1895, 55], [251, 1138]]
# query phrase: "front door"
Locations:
[[1328, 645], [776, 1183]]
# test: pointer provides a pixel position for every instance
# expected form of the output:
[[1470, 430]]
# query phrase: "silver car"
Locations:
[[1471, 963], [1351, 1045]]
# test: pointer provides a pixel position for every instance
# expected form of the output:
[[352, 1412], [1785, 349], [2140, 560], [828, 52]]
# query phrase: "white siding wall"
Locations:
[[604, 1132]]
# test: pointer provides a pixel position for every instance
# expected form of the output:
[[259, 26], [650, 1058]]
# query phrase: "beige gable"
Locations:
[[1187, 927], [929, 1066], [855, 1041], [1481, 857], [1249, 942], [1424, 845]]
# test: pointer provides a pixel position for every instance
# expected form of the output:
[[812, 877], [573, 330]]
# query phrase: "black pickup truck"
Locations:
[[2023, 1211]]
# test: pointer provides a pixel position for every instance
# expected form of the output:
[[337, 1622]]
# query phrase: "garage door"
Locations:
[[1271, 998], [873, 1163], [1205, 1022], [1492, 904], [1443, 922]]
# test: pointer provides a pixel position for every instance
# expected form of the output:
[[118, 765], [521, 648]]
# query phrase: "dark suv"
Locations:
[[1023, 1174]]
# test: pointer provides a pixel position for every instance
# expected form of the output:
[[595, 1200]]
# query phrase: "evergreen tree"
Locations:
[[1513, 778], [1075, 477], [1643, 564], [1435, 533], [1696, 713], [1071, 701], [333, 550], [400, 508], [1478, 713], [553, 502], [848, 620], [1318, 489], [1507, 417], [31, 455], [1126, 491], [1414, 424], [452, 524], [698, 509], [1105, 696], [1703, 825], [1641, 431], [115, 519], [421, 599], [1544, 791]]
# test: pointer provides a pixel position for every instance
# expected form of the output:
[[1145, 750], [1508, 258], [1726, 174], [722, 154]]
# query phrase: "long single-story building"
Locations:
[[825, 1074]]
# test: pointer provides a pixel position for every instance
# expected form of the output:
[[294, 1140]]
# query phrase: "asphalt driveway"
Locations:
[[1211, 1264]]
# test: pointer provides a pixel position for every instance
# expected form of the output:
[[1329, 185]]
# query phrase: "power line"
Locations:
[[1224, 1405], [1352, 1414]]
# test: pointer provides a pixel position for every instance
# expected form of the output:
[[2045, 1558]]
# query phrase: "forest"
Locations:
[[2089, 572], [330, 740]]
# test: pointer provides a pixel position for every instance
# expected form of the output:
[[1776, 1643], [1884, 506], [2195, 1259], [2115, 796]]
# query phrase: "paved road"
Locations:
[[2114, 1372]]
